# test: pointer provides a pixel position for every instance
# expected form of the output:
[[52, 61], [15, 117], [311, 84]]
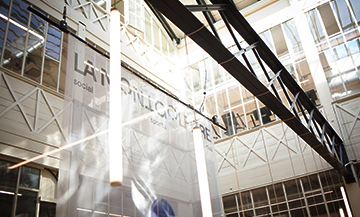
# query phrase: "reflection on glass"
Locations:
[[267, 116], [337, 86], [156, 31], [296, 203], [338, 40], [29, 177], [229, 204], [253, 61], [339, 68], [265, 211], [6, 202], [216, 73], [292, 190], [26, 200], [328, 19], [35, 47], [266, 37], [196, 78], [246, 200], [251, 111], [319, 210], [19, 12], [50, 74], [352, 82], [299, 212], [259, 197], [343, 14], [350, 35], [314, 181], [235, 119], [315, 26], [292, 35], [14, 48], [249, 213], [132, 12], [344, 61], [326, 60], [208, 72], [47, 209], [306, 184], [64, 53], [288, 197], [16, 38], [279, 192], [101, 3], [354, 46], [26, 203], [8, 179], [306, 81], [4, 8], [148, 33], [164, 44], [222, 105], [341, 52], [355, 6], [279, 41], [53, 42]]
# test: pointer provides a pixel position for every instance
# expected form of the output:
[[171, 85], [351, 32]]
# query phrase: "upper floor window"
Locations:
[[100, 3], [145, 24], [30, 46], [135, 14]]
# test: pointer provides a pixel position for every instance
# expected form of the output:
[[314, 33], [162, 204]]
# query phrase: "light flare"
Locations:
[[84, 139]]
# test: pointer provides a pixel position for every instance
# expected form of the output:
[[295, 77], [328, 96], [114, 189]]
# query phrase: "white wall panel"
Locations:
[[30, 120], [48, 185], [348, 115], [267, 155]]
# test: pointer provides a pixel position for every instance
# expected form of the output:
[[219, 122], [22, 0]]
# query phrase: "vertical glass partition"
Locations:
[[160, 174]]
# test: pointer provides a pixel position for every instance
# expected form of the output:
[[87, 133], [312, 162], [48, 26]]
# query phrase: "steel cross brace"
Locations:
[[177, 13]]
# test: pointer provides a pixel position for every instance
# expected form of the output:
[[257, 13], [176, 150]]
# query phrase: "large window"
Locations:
[[37, 50], [145, 24], [19, 189], [335, 30], [237, 109], [135, 14], [31, 47], [313, 195]]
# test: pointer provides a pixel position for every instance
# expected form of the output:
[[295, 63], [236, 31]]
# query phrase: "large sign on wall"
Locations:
[[160, 177]]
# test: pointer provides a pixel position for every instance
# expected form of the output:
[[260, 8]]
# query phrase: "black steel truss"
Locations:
[[314, 129], [165, 24]]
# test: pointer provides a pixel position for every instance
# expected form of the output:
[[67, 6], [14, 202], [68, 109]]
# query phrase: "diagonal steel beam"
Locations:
[[240, 24], [177, 13]]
